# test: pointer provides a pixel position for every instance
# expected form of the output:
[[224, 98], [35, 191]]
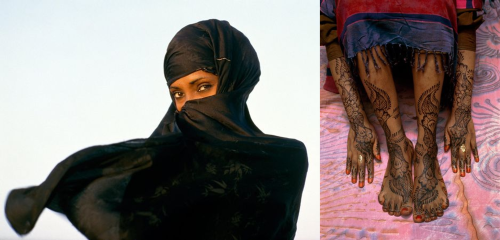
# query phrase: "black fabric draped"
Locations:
[[206, 172]]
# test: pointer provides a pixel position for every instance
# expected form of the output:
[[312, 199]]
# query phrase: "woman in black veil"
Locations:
[[207, 172]]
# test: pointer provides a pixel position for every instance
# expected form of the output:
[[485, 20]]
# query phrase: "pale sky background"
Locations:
[[79, 73]]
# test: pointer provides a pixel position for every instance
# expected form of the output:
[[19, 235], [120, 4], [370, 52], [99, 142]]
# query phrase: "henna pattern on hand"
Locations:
[[426, 184], [354, 109], [462, 108]]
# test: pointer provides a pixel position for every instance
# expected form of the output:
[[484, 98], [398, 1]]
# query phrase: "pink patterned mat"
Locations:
[[348, 212]]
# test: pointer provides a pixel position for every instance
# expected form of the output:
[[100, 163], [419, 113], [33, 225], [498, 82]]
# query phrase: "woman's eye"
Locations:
[[178, 94], [204, 87]]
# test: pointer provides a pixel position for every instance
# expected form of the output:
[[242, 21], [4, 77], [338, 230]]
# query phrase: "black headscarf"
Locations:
[[206, 173], [213, 46]]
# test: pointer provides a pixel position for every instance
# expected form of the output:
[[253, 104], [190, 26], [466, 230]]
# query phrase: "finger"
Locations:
[[446, 141], [473, 144], [348, 165], [475, 153], [467, 153], [467, 161], [461, 159], [376, 150], [371, 169], [361, 169], [354, 172], [454, 156], [348, 162]]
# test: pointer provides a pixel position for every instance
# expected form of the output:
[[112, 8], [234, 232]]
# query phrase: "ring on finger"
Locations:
[[462, 148], [360, 158]]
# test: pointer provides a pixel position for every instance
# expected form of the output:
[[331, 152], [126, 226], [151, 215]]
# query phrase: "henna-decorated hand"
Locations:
[[459, 132], [362, 138], [462, 141], [362, 147]]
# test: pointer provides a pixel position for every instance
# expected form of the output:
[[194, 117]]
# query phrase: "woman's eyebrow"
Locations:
[[196, 80]]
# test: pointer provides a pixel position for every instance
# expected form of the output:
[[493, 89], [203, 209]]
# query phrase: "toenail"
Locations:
[[404, 210], [419, 218], [378, 157]]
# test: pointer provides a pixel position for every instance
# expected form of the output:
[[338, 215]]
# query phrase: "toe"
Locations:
[[418, 218], [445, 204], [397, 210], [381, 198], [391, 207], [385, 207], [406, 211], [439, 212]]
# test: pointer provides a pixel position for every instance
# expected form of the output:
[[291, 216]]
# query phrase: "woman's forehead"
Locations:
[[193, 78]]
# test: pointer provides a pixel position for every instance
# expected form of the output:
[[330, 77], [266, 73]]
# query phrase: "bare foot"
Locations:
[[395, 194], [429, 195]]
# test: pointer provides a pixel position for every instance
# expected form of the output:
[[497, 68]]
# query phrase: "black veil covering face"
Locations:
[[207, 172], [215, 47]]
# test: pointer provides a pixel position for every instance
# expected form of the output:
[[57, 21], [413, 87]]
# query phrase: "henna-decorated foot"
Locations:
[[395, 194], [430, 195]]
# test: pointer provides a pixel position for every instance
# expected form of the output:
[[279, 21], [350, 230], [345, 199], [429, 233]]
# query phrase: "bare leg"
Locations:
[[430, 196], [395, 194]]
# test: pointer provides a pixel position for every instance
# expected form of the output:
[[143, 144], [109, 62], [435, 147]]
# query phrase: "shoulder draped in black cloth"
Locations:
[[207, 172]]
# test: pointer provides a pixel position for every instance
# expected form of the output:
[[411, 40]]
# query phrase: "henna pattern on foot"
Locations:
[[396, 190], [429, 195]]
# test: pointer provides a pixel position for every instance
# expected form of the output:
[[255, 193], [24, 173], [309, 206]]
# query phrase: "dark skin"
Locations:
[[199, 84], [395, 193], [427, 191], [460, 135], [362, 139]]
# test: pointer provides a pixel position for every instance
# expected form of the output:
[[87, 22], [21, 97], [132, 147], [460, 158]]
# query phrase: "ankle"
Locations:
[[426, 148], [397, 138]]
